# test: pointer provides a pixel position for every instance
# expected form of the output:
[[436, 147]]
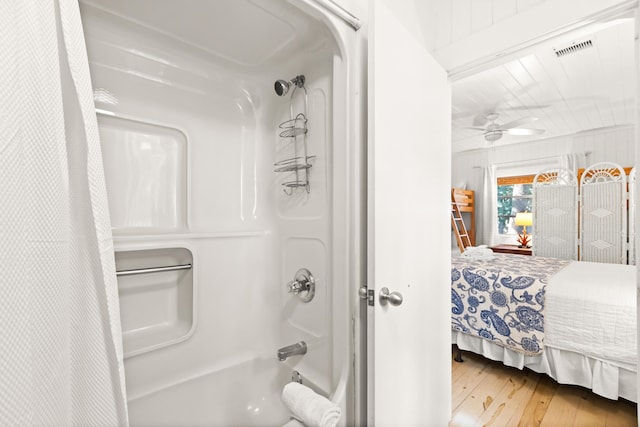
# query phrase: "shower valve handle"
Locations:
[[295, 287], [303, 285]]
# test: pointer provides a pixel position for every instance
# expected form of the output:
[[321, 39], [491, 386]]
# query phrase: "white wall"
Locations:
[[415, 15], [613, 145], [458, 19]]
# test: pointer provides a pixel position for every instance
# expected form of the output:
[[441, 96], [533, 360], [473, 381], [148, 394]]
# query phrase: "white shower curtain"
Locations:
[[488, 212], [60, 335]]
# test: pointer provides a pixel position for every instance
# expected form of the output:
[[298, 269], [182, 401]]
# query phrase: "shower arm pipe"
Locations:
[[338, 11]]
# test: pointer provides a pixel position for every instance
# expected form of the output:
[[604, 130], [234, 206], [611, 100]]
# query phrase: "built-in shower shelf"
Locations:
[[156, 290]]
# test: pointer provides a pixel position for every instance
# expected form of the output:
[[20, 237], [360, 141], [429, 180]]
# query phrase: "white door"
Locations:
[[409, 345]]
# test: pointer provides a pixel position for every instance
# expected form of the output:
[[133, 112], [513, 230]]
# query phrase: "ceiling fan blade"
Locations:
[[523, 131], [516, 123], [526, 107], [475, 128], [480, 120]]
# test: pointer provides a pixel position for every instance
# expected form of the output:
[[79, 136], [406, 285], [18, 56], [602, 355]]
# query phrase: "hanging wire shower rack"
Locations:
[[296, 129]]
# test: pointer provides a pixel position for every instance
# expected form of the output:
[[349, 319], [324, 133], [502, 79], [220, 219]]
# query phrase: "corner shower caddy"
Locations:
[[295, 129]]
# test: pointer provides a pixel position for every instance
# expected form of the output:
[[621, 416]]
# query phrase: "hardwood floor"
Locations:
[[487, 393]]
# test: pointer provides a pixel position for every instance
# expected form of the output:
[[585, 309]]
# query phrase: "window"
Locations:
[[515, 194]]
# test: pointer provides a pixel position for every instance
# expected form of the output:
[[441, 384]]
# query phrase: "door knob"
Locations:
[[393, 298]]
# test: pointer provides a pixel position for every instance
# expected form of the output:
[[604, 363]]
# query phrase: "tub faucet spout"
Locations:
[[292, 350]]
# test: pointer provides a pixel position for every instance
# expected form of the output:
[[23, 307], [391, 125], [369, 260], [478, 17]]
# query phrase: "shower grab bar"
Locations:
[[153, 270]]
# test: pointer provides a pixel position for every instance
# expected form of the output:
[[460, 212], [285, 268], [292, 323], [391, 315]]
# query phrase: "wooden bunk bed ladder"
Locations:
[[457, 223]]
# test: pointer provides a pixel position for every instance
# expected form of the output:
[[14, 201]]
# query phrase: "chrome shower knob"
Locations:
[[303, 285], [296, 287]]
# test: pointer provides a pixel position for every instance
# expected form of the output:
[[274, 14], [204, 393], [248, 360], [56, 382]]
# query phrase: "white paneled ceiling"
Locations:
[[585, 89]]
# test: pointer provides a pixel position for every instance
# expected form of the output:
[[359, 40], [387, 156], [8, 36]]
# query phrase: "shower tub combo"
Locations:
[[230, 202]]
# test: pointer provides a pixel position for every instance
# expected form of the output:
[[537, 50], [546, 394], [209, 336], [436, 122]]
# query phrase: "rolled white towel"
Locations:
[[293, 423], [309, 407]]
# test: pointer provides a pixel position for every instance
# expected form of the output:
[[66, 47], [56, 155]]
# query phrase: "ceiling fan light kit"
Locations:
[[493, 135]]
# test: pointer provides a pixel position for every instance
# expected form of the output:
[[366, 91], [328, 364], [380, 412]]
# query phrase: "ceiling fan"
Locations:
[[493, 131]]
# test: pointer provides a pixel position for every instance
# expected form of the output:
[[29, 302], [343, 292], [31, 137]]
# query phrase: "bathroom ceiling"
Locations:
[[247, 33], [578, 91]]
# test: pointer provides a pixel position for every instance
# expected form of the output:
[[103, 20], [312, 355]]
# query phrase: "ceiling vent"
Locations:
[[573, 47]]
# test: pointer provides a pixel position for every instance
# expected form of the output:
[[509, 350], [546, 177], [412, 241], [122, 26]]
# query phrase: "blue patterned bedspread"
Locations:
[[502, 300]]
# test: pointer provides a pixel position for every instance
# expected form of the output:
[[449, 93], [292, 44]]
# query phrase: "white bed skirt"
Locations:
[[607, 379]]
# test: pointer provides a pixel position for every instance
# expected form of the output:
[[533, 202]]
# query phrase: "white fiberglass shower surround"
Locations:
[[207, 232]]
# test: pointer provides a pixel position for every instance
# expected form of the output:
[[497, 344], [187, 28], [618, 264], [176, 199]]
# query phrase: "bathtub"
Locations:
[[247, 394]]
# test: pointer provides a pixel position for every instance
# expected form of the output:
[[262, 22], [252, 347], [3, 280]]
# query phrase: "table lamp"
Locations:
[[524, 219]]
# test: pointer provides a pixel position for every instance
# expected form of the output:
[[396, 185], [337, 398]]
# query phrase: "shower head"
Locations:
[[282, 86]]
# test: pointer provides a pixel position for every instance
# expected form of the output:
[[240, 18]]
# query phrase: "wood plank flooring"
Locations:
[[487, 393]]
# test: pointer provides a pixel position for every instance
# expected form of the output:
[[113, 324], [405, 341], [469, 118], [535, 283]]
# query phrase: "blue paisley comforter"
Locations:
[[502, 300]]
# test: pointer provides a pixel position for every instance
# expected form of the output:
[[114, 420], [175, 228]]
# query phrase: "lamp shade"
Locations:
[[524, 219]]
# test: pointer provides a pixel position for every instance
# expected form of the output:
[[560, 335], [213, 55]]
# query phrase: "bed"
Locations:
[[572, 320]]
